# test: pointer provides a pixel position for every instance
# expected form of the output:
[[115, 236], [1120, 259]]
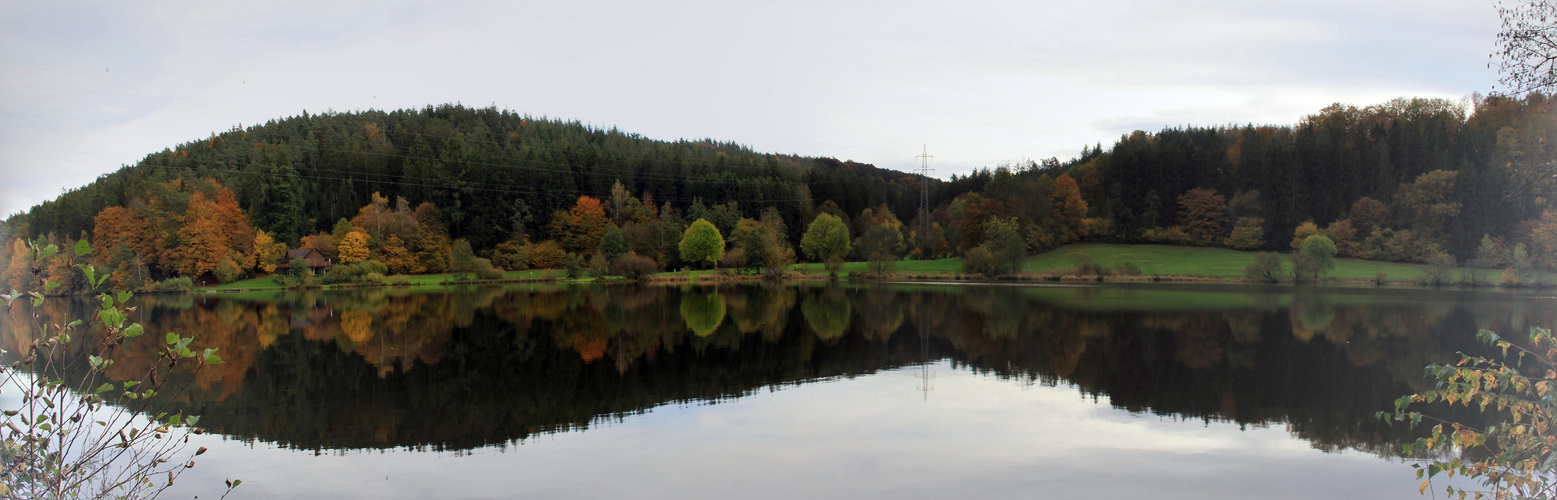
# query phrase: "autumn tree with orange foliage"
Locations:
[[1069, 210], [406, 240], [580, 229], [19, 269], [182, 227]]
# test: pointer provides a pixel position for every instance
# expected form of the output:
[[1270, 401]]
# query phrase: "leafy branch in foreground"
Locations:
[[1516, 456], [74, 432]]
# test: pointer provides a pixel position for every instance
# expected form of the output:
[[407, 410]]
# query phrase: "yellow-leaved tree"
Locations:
[[268, 253], [354, 247]]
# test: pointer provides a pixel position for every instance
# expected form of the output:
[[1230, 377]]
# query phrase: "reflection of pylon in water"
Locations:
[[925, 376]]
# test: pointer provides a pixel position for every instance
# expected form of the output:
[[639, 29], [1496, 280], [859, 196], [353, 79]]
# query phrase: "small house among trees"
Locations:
[[316, 261]]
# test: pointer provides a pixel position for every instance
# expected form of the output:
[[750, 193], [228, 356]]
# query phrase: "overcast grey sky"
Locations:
[[88, 87]]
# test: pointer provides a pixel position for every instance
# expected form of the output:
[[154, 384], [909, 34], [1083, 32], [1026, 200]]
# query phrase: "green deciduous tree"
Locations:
[[1319, 250], [702, 243], [826, 239]]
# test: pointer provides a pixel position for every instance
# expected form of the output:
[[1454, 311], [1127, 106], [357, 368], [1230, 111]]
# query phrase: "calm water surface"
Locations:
[[879, 391]]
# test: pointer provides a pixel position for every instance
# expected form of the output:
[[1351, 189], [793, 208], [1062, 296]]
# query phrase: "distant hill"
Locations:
[[478, 165]]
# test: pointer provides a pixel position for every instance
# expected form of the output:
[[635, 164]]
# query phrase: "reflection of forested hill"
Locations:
[[483, 366]]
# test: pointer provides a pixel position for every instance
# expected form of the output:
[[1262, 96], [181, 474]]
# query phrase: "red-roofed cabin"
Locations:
[[316, 261]]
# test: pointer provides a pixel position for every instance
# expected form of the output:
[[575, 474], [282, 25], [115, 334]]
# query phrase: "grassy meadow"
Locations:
[[1164, 261]]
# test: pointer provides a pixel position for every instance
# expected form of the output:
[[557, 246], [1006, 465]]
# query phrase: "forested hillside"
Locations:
[[481, 167], [1407, 180]]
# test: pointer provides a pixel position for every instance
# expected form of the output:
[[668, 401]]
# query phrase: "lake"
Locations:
[[811, 391]]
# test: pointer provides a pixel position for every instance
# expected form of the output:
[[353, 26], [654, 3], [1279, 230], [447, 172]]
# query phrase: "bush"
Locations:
[[356, 273], [734, 258], [1086, 266], [573, 266], [1248, 234], [1172, 235], [833, 264], [485, 270], [1127, 269], [510, 255], [1439, 269], [1381, 279], [1303, 267], [881, 262], [598, 265], [634, 266], [181, 284], [228, 270], [1266, 267], [980, 261], [546, 255]]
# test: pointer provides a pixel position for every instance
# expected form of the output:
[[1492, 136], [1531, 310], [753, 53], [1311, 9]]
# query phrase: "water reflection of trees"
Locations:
[[482, 366]]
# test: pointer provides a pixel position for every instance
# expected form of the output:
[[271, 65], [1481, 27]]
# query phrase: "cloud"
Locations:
[[977, 82]]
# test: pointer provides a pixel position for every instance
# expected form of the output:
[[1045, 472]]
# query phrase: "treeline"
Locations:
[[1408, 180]]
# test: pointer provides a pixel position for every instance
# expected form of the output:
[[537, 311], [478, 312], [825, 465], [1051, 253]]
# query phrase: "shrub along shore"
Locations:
[[1079, 263]]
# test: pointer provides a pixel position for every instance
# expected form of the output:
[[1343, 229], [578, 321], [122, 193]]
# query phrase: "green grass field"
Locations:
[[1196, 261], [1154, 260]]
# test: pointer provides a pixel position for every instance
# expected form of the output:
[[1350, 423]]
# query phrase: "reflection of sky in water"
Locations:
[[868, 437]]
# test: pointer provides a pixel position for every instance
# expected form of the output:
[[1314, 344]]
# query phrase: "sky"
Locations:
[[86, 88]]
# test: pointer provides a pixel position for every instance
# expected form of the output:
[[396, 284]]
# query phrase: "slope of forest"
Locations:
[[301, 174], [1409, 180]]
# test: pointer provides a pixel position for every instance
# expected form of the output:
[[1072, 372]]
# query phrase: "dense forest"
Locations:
[[1407, 180]]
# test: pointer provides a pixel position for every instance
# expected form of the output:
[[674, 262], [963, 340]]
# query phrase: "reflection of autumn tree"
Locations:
[[1311, 314], [827, 312], [469, 367], [1198, 339], [703, 312], [881, 312]]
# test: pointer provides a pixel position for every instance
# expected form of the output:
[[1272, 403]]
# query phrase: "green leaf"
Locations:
[[83, 248], [134, 330], [124, 296], [131, 383], [73, 324], [171, 338], [95, 361], [192, 420], [91, 275], [213, 360], [110, 317], [50, 286], [103, 388]]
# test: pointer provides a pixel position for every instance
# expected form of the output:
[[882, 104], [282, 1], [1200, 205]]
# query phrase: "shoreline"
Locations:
[[719, 278]]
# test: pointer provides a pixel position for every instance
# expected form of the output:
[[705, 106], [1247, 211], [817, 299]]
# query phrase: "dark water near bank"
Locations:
[[880, 391]]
